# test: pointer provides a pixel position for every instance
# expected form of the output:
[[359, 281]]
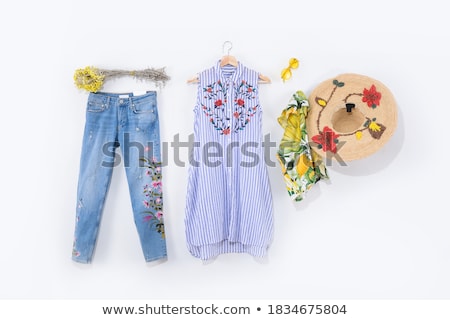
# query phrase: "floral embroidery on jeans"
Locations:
[[75, 252], [153, 197], [242, 111]]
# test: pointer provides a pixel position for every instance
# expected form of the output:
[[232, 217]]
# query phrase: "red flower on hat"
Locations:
[[371, 97], [326, 140]]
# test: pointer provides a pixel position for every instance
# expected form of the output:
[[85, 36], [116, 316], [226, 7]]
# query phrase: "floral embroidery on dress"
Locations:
[[243, 111], [217, 112], [216, 92], [327, 139], [153, 197]]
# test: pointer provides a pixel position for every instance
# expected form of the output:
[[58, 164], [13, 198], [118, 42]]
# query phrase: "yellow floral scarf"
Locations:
[[302, 167]]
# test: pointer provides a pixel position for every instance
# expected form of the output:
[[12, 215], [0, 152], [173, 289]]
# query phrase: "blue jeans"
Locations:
[[131, 122]]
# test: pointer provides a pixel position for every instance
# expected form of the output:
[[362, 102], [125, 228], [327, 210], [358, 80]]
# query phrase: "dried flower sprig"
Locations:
[[92, 79]]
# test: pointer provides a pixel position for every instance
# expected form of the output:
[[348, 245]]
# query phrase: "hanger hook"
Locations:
[[230, 46]]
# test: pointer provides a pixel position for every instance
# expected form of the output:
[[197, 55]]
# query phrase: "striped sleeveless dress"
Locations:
[[229, 200]]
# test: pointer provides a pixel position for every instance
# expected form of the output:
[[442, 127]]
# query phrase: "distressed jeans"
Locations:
[[131, 123]]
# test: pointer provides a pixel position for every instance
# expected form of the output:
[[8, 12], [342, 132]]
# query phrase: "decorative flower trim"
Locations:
[[153, 197], [217, 112], [327, 139], [92, 79]]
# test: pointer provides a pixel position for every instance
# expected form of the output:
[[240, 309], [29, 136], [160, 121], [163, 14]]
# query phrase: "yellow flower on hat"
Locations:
[[374, 126], [358, 135], [321, 102]]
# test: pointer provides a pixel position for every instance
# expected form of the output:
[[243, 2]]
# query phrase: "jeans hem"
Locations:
[[156, 258], [81, 261]]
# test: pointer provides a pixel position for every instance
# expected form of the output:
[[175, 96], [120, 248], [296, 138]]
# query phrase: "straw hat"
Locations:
[[351, 116]]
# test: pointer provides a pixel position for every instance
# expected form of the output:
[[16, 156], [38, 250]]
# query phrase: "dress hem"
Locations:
[[210, 251]]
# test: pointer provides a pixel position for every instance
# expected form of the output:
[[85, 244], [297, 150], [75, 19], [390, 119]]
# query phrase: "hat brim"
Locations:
[[351, 117]]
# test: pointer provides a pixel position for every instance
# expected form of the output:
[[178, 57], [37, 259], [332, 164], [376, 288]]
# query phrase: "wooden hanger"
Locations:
[[228, 61], [232, 61]]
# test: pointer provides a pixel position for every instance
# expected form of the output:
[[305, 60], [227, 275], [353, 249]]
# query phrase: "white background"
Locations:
[[378, 229]]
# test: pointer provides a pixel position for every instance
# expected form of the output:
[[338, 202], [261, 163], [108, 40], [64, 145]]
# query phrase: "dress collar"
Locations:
[[236, 72]]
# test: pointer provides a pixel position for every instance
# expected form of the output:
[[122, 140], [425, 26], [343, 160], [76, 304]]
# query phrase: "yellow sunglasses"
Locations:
[[286, 73]]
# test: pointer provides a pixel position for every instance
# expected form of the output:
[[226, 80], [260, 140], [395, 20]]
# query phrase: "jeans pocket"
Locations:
[[143, 107], [96, 106]]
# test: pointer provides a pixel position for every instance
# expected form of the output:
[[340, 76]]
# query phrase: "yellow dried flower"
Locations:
[[92, 79], [358, 135], [89, 78]]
